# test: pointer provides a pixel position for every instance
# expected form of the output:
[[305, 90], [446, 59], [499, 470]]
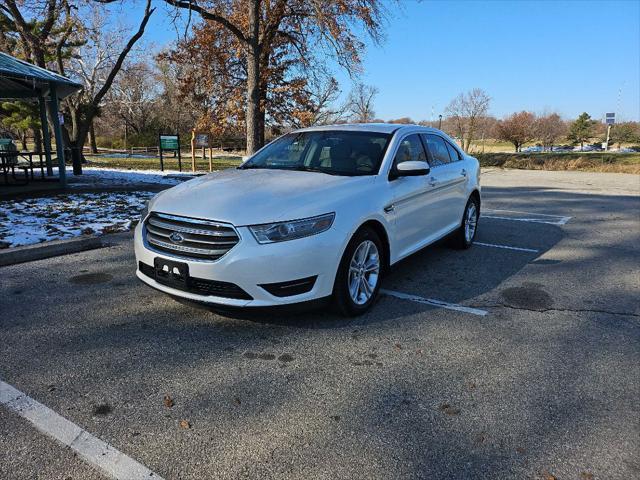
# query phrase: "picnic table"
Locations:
[[10, 161]]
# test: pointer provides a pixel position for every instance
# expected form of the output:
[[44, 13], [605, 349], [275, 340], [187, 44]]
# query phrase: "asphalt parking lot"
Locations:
[[519, 358]]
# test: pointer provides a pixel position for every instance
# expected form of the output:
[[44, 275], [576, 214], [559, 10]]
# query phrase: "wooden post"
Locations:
[[160, 150], [62, 173], [210, 159], [193, 150], [179, 157]]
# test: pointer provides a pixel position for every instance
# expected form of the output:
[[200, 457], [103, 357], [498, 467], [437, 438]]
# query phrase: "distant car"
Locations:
[[533, 149], [318, 213]]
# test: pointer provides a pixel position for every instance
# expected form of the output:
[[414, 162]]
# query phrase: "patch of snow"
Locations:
[[43, 219], [117, 176]]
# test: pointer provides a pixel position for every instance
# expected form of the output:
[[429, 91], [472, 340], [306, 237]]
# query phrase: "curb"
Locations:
[[55, 248]]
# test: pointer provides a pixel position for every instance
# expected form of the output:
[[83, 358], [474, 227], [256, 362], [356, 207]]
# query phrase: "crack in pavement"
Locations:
[[545, 310]]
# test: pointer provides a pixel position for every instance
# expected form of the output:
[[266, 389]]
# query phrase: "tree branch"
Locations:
[[123, 54], [207, 15]]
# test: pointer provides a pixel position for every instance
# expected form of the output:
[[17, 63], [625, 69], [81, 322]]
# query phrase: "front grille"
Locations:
[[189, 237], [201, 286]]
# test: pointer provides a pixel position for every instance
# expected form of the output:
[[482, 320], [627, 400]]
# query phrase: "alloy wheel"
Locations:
[[470, 222], [364, 272]]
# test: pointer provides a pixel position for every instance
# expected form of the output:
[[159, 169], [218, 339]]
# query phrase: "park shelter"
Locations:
[[20, 80]]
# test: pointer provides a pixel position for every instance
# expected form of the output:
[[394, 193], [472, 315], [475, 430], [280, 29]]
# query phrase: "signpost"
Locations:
[[202, 140], [169, 143], [610, 119]]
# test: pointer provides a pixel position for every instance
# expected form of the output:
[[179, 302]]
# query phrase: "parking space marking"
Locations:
[[507, 247], [434, 303], [97, 453], [531, 217]]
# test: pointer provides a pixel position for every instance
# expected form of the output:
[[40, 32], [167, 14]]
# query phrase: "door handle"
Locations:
[[463, 172], [433, 181]]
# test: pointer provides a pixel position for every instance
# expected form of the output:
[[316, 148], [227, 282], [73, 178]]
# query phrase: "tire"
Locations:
[[464, 236], [350, 294]]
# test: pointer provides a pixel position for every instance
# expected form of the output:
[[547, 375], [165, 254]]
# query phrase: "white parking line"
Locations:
[[506, 247], [435, 303], [110, 461], [531, 217]]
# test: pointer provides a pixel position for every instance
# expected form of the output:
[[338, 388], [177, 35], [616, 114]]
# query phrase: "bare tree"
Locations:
[[465, 113], [548, 128], [97, 65], [320, 108], [517, 128], [402, 120], [359, 105], [135, 96]]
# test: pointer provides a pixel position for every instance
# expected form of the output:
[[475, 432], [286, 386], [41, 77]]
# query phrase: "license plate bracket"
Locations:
[[170, 273]]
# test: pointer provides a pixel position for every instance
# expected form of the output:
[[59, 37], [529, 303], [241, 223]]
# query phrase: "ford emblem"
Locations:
[[175, 237]]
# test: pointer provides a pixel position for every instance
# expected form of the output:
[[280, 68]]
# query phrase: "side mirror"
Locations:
[[412, 168]]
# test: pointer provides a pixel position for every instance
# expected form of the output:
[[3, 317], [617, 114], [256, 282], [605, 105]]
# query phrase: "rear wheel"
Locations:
[[463, 237], [359, 274]]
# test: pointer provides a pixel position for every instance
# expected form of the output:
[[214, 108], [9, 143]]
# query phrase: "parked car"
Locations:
[[533, 149], [318, 213], [562, 148]]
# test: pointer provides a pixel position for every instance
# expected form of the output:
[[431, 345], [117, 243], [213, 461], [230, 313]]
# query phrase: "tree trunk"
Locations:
[[253, 79], [92, 139], [23, 140], [37, 139]]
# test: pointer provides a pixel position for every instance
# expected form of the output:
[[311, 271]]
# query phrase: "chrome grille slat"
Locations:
[[175, 227], [201, 239]]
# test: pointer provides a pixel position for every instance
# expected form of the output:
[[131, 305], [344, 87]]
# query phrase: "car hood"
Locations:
[[249, 197]]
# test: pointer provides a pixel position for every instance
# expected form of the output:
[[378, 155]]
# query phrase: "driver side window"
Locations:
[[410, 149]]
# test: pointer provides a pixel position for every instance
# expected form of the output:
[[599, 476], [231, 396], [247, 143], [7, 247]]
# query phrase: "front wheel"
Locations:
[[359, 274], [466, 233]]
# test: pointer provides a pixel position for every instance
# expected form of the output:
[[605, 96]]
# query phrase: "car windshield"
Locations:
[[336, 152]]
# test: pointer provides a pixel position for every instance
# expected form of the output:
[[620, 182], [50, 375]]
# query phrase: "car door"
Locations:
[[412, 206], [449, 181]]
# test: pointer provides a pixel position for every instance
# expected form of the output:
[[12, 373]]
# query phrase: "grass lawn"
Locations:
[[588, 162], [170, 163], [582, 161]]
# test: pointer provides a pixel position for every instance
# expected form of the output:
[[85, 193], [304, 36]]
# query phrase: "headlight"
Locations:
[[145, 212], [281, 231]]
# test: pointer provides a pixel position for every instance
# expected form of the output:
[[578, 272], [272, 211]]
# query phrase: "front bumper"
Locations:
[[250, 264]]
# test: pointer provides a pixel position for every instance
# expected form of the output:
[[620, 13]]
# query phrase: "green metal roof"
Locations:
[[19, 79]]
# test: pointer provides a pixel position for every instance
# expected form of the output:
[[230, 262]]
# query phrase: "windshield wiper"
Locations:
[[313, 169], [247, 167]]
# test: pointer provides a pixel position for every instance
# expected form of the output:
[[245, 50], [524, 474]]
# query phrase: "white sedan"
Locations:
[[317, 214]]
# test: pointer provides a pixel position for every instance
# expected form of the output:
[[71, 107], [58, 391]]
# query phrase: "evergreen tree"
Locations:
[[581, 130]]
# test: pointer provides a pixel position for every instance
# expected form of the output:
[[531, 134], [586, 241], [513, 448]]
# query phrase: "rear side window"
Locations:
[[410, 149], [453, 153], [438, 150]]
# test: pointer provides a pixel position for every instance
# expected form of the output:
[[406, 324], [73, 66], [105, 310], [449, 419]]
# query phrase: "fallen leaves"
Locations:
[[168, 401], [184, 424], [449, 409]]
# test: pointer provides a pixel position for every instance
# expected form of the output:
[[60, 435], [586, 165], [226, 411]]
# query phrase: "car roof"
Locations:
[[369, 127]]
